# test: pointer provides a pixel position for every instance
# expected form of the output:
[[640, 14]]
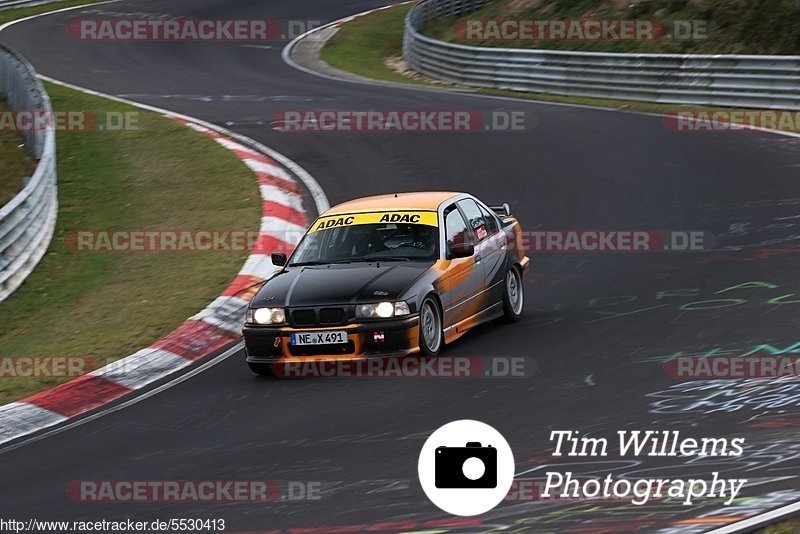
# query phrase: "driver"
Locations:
[[369, 241], [424, 238]]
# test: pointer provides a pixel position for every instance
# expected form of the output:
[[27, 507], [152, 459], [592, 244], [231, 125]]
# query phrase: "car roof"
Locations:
[[428, 201]]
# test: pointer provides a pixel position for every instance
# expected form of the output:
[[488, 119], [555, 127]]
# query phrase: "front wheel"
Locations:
[[513, 296], [430, 328]]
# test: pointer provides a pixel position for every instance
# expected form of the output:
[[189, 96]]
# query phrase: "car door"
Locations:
[[461, 281], [490, 248]]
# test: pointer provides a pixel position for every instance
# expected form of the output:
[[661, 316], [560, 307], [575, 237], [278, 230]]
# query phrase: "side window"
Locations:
[[475, 218], [491, 220], [455, 227]]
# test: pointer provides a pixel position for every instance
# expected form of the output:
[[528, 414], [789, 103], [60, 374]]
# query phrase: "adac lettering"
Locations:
[[400, 217], [332, 223]]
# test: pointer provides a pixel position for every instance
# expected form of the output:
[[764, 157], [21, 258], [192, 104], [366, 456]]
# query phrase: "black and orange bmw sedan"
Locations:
[[388, 275]]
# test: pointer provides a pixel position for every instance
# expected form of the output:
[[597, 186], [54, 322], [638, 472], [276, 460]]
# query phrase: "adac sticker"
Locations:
[[428, 218]]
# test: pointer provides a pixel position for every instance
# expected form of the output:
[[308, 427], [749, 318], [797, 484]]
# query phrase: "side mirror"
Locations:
[[278, 259], [462, 250]]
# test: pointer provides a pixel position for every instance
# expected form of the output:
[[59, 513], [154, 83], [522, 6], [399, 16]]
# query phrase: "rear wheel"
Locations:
[[430, 328], [513, 296], [263, 369]]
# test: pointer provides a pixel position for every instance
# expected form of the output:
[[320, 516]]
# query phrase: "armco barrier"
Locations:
[[770, 82], [28, 221]]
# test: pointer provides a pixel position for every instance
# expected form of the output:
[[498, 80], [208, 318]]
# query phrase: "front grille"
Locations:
[[331, 315], [304, 317]]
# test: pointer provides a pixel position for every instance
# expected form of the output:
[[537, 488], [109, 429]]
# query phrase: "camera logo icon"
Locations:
[[472, 466], [466, 468]]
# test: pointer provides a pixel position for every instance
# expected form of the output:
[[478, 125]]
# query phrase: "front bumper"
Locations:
[[395, 337]]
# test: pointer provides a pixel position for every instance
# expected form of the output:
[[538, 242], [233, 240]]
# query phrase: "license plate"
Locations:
[[332, 337]]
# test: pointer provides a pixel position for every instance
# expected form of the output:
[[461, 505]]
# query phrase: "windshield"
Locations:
[[382, 241]]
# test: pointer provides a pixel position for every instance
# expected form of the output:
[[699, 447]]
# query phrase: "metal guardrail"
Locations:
[[751, 81], [28, 221]]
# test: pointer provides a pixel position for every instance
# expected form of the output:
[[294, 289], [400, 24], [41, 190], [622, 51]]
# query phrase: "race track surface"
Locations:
[[598, 326]]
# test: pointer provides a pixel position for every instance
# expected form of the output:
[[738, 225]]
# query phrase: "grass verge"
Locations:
[[371, 46], [787, 527], [106, 305], [14, 13]]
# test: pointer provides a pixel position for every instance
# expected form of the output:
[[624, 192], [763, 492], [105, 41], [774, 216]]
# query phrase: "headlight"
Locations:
[[382, 310], [266, 315]]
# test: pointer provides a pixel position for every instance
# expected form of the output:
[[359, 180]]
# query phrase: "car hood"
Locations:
[[339, 284]]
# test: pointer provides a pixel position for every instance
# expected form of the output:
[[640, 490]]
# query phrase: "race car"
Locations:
[[388, 275]]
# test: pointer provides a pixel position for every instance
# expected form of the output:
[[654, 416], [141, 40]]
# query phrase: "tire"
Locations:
[[431, 336], [263, 369], [513, 296]]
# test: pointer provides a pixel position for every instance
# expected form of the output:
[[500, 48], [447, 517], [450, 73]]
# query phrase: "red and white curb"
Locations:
[[283, 222], [214, 327]]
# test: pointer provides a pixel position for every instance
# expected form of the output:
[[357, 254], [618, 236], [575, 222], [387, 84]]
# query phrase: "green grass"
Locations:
[[788, 527], [7, 15], [366, 46], [362, 45], [15, 161], [734, 26], [110, 304]]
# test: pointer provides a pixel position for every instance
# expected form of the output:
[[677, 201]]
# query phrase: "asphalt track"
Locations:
[[598, 326]]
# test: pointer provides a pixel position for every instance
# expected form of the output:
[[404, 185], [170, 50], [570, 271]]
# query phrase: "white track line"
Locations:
[[151, 364], [761, 520], [322, 205], [130, 402], [740, 526], [287, 52], [317, 194]]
